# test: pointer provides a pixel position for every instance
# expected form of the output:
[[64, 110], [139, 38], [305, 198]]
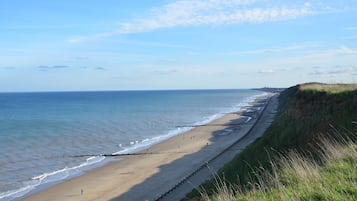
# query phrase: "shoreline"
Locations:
[[119, 178], [210, 168]]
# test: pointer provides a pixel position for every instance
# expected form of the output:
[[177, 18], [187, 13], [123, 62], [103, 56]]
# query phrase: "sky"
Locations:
[[175, 44]]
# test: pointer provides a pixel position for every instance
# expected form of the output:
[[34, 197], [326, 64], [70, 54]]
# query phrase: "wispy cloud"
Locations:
[[351, 29], [346, 50], [318, 57], [273, 50], [100, 68], [58, 67], [164, 72], [53, 67], [272, 70], [349, 70], [266, 71], [206, 12]]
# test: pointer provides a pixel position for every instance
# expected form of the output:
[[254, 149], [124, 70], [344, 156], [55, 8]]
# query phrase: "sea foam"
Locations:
[[51, 178]]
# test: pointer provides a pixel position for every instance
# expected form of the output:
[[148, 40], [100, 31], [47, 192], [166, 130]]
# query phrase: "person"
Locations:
[[81, 191]]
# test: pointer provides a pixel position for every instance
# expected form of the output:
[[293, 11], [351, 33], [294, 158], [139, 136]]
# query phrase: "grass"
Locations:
[[296, 177], [328, 88], [307, 113]]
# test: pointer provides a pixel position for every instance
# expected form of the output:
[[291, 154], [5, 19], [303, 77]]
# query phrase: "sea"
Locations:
[[47, 137]]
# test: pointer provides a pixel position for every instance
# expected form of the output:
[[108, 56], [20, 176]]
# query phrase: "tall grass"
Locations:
[[328, 88], [333, 176]]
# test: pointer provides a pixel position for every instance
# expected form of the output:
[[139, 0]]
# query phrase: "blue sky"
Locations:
[[200, 44]]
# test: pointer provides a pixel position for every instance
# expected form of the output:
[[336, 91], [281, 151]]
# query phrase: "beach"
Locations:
[[154, 171]]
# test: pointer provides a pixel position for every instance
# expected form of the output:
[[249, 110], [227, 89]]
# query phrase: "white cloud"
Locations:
[[164, 72], [273, 70], [335, 71], [53, 67], [273, 50], [266, 71], [193, 14], [346, 50], [320, 56], [206, 12]]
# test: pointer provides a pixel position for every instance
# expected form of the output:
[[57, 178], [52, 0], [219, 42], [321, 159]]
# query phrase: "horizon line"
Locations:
[[138, 90]]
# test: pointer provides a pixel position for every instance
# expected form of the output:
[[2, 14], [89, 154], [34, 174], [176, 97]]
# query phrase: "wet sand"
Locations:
[[148, 175]]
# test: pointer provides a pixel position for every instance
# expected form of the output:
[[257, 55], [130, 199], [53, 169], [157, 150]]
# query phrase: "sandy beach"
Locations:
[[153, 172]]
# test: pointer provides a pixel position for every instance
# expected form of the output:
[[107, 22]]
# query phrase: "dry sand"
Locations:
[[147, 176]]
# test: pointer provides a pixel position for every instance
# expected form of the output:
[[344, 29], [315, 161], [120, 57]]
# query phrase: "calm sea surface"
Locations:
[[40, 133]]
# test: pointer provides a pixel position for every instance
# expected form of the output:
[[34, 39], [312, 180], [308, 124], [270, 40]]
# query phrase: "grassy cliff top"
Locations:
[[328, 88]]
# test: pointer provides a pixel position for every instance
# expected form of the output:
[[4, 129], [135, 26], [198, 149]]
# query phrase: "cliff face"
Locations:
[[310, 111]]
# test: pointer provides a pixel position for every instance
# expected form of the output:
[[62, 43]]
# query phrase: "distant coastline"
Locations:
[[270, 89]]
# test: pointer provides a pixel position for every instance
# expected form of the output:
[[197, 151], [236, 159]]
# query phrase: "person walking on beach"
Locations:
[[81, 191]]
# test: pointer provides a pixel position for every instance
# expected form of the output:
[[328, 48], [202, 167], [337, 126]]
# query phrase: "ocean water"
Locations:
[[42, 134]]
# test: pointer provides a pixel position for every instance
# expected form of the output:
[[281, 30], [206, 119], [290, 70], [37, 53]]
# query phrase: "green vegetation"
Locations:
[[328, 88], [287, 162], [295, 177]]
